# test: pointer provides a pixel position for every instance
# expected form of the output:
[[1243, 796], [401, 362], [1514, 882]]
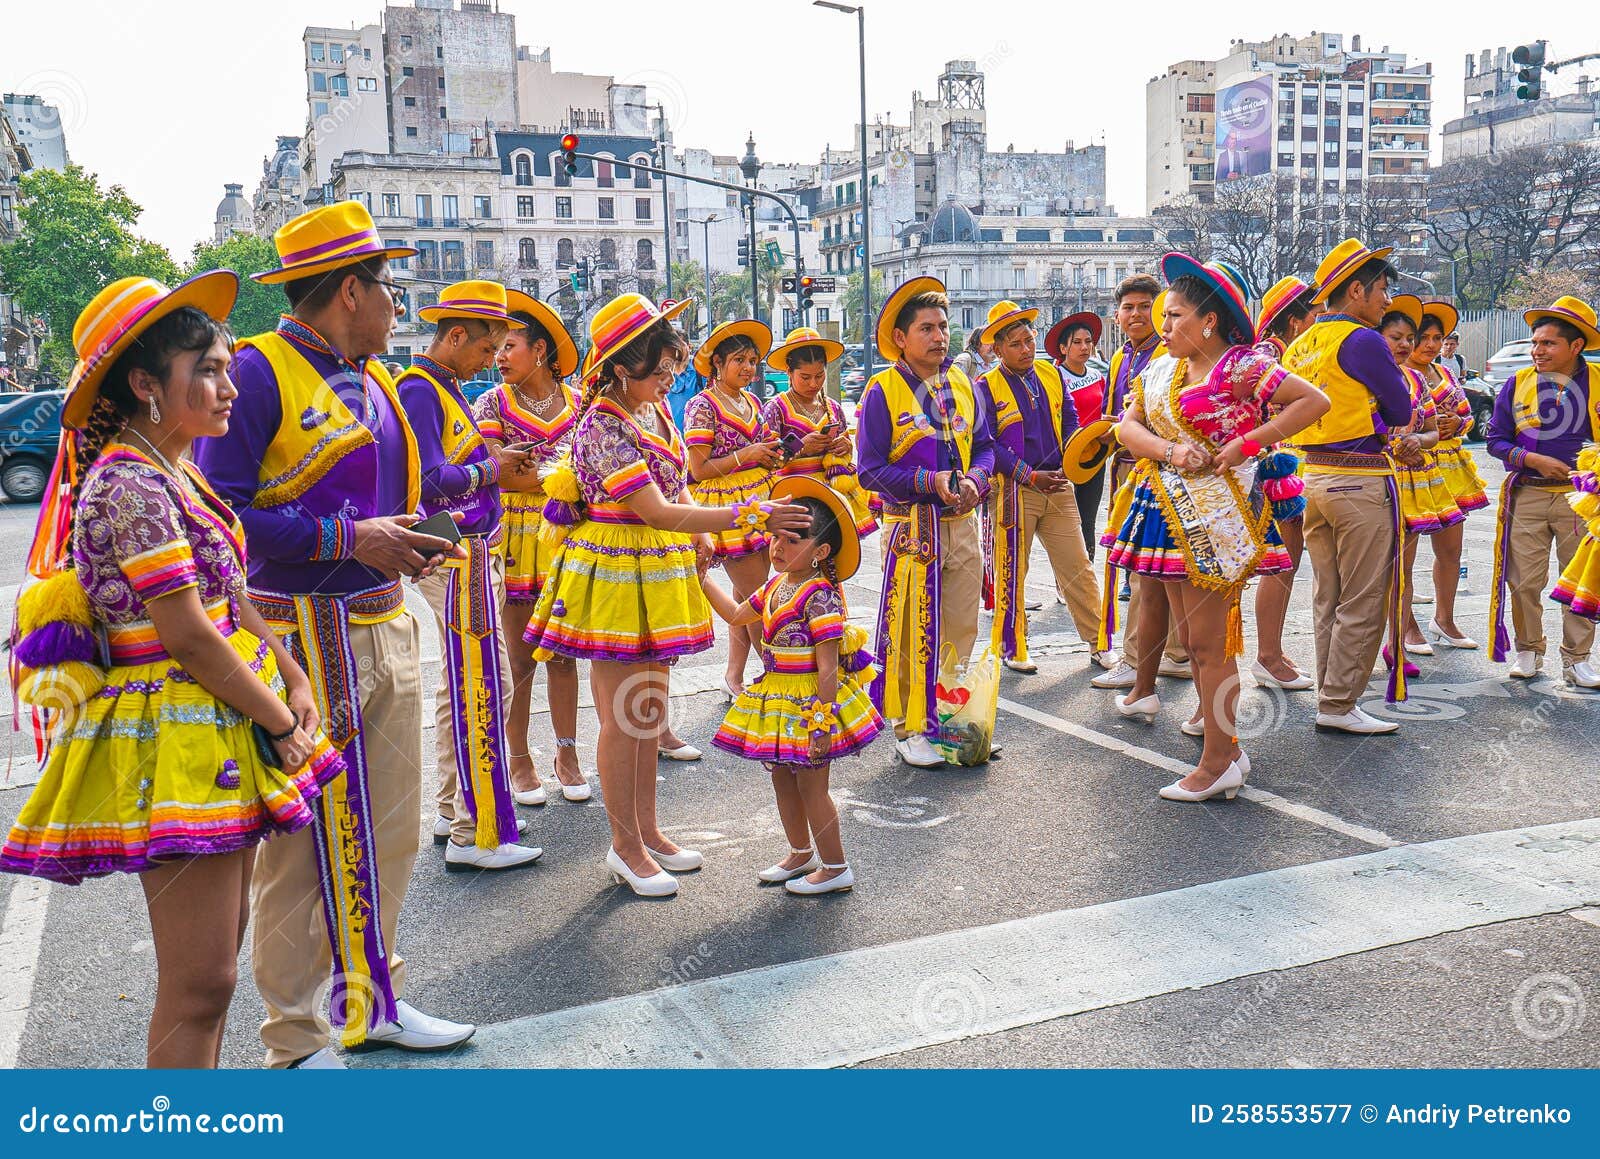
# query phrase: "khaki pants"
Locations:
[[450, 800], [1538, 518], [1130, 631], [1349, 534], [961, 591], [1054, 519], [289, 938]]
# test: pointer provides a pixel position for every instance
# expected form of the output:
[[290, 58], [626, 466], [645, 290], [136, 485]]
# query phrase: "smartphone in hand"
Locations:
[[441, 525]]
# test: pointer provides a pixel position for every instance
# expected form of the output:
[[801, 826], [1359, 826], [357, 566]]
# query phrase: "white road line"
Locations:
[[20, 938], [882, 1000], [1262, 797], [1590, 914]]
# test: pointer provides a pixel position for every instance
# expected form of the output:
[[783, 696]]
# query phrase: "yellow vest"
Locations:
[[1008, 414], [1314, 356], [302, 451], [1525, 401], [1118, 356], [460, 429], [907, 432]]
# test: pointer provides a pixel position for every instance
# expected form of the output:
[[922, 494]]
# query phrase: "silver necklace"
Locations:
[[178, 476], [811, 414], [735, 402], [539, 406]]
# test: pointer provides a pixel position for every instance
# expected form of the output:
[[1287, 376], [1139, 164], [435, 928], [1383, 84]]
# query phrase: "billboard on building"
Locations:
[[1243, 137]]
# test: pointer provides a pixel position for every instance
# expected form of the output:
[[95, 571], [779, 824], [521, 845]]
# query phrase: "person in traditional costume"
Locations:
[[923, 444], [810, 427], [1198, 526], [811, 705], [1071, 343], [1286, 312], [1578, 588], [180, 732], [477, 817], [1032, 421], [533, 409], [1352, 527], [732, 456], [1542, 418], [623, 590], [1136, 298], [1467, 488], [323, 469]]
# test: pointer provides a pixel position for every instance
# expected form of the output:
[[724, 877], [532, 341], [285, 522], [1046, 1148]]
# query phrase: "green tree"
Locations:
[[850, 304], [258, 306], [74, 237]]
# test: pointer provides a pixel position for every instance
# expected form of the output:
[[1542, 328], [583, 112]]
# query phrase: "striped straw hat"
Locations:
[[1574, 312], [620, 321], [1230, 286], [326, 238], [799, 338], [485, 300], [118, 314], [1341, 264], [1285, 292]]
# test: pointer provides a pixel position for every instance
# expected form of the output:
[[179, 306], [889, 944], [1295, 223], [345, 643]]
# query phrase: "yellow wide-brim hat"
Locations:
[[1084, 453], [884, 331], [1408, 304], [778, 357], [1574, 312], [1449, 317], [620, 321], [479, 299], [1284, 293], [1158, 311], [1003, 314], [564, 358], [326, 238], [118, 314], [790, 487], [1341, 264], [757, 331]]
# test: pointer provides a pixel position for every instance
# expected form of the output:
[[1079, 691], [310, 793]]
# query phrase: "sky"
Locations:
[[173, 98]]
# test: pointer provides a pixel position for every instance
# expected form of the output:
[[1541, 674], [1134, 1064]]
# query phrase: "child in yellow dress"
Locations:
[[810, 706]]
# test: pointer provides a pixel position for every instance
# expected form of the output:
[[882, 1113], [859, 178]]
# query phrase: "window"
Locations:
[[603, 177], [608, 253], [641, 179], [391, 205], [524, 170], [483, 255], [564, 251], [438, 52], [524, 206], [410, 102], [1285, 160], [319, 82], [563, 207], [441, 84], [558, 166], [341, 85], [641, 208], [1202, 102], [453, 256], [1353, 133], [399, 263], [1100, 277], [366, 84], [405, 43], [336, 53], [966, 317], [606, 208], [318, 53], [424, 209], [482, 205], [407, 70], [449, 209], [822, 313], [366, 54], [1019, 277], [319, 108], [527, 254], [644, 254], [428, 255]]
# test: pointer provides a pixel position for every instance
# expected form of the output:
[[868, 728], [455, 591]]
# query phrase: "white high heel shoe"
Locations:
[[729, 695], [843, 882], [779, 873], [661, 884], [1264, 677], [683, 861], [1193, 728], [1228, 785], [1145, 708], [1466, 643]]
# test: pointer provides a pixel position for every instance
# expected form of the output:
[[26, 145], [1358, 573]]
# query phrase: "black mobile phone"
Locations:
[[441, 525]]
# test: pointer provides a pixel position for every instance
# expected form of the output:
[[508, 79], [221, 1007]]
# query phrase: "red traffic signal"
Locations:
[[569, 143], [569, 155]]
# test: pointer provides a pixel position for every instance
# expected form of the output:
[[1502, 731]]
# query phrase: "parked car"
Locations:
[[30, 428], [1513, 356], [852, 382], [1480, 393], [777, 382]]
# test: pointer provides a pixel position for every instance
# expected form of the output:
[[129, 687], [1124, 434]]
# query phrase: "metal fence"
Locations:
[[1484, 331]]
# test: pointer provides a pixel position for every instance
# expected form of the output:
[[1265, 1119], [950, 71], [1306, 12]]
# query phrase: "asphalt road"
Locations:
[[1425, 899]]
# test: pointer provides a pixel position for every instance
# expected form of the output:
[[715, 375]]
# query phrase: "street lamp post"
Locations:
[[705, 238], [866, 213], [750, 166], [666, 209]]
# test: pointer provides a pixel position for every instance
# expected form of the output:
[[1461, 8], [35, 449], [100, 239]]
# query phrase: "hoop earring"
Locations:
[[155, 411]]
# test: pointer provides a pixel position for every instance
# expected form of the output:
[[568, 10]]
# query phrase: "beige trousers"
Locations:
[[449, 799], [961, 588], [1349, 534], [289, 938], [1540, 517], [1055, 521]]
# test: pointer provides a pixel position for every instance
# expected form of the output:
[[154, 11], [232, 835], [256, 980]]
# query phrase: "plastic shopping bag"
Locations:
[[967, 712]]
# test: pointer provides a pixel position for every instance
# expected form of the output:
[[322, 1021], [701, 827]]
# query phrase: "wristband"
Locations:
[[1171, 447], [820, 717], [751, 515], [1251, 448], [280, 737]]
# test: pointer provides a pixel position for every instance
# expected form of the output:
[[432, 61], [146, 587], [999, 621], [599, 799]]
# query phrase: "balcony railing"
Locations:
[[424, 223]]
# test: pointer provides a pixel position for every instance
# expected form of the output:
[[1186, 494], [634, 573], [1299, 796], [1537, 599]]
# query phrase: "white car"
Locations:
[[1513, 356]]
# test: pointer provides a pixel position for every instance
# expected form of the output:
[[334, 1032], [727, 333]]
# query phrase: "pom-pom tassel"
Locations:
[[58, 642], [59, 598]]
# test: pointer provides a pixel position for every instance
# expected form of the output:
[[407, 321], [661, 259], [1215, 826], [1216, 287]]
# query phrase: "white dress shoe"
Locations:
[[577, 792], [1527, 665], [1243, 761], [1026, 667], [837, 884], [414, 1030], [659, 884], [1422, 649], [323, 1059], [1145, 708], [1264, 677], [441, 829], [533, 796], [1178, 669], [1582, 674], [460, 858], [1227, 785], [1447, 639], [1193, 728], [779, 873], [1355, 721], [1121, 676], [1032, 605], [917, 751], [684, 752], [1107, 660], [683, 861]]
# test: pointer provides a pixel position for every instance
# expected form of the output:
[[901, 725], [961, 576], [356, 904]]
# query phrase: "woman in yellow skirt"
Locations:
[[1456, 467], [732, 455], [533, 408], [171, 770], [623, 588], [1579, 586], [811, 427]]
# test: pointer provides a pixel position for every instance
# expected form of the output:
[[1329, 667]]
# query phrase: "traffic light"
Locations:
[[580, 280], [744, 251], [569, 153], [1531, 74], [808, 290]]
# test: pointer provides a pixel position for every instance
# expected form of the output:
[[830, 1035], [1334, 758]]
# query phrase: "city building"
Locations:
[[560, 102], [279, 194], [233, 214], [1493, 119], [17, 335], [38, 129], [347, 98], [1180, 158], [452, 75]]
